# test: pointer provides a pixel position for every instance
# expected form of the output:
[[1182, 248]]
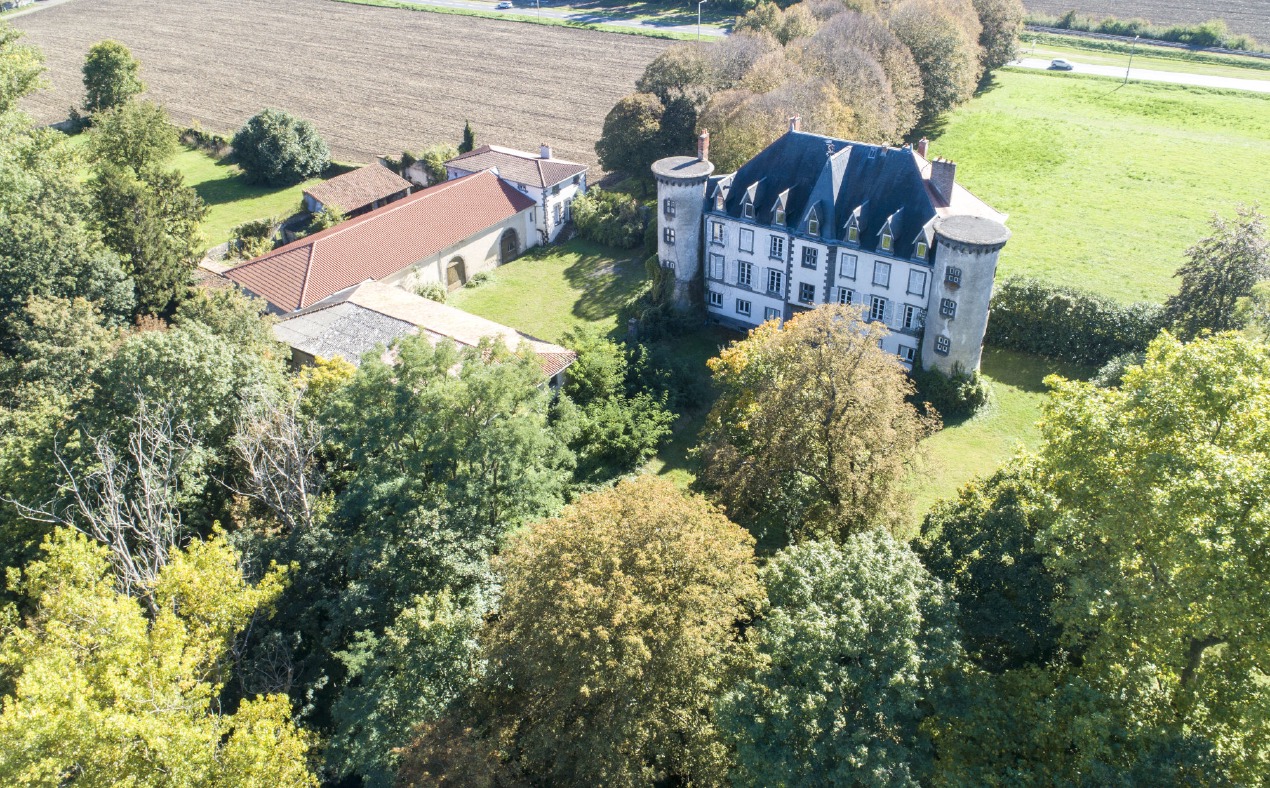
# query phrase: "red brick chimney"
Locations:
[[703, 146], [796, 123], [943, 174], [921, 147]]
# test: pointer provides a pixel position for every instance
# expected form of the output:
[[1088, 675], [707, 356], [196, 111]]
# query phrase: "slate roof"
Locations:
[[353, 323], [359, 188], [379, 243], [518, 166], [839, 179]]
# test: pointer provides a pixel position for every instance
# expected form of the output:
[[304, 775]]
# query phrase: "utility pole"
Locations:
[[1132, 47], [701, 3]]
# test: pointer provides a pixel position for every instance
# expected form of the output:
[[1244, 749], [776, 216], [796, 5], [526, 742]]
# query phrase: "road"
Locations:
[[527, 8], [1147, 75]]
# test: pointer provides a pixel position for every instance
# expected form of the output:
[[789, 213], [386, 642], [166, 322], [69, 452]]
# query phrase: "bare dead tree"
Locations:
[[279, 449], [128, 499]]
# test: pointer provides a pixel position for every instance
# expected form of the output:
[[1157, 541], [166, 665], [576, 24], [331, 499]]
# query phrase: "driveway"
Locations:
[[1147, 75]]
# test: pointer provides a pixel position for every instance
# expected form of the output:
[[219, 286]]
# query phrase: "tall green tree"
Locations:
[[1002, 22], [1220, 270], [21, 67], [856, 642], [946, 52], [137, 135], [631, 139], [812, 435], [112, 76], [96, 691], [278, 149], [469, 138]]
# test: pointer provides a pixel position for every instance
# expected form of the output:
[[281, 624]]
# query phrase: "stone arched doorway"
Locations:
[[455, 274], [508, 246]]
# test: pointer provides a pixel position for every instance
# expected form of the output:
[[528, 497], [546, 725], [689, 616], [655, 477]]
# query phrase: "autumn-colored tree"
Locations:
[[1002, 21], [946, 48], [812, 436], [619, 626]]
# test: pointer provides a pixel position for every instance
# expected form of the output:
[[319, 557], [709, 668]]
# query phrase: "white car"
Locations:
[[503, 6], [1058, 64]]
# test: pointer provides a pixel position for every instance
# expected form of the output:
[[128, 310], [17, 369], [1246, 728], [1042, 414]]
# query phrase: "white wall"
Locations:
[[480, 253]]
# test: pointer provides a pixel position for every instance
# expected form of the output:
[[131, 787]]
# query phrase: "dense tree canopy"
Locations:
[[279, 149], [137, 135], [21, 67], [112, 76]]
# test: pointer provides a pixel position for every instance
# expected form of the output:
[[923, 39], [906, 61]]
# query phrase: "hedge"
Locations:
[[1068, 323]]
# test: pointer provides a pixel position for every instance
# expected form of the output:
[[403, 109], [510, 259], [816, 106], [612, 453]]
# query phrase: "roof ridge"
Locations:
[[308, 270]]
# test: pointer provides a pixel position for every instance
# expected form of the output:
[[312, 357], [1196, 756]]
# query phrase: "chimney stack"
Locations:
[[703, 146], [796, 123], [943, 174], [922, 145], [544, 151]]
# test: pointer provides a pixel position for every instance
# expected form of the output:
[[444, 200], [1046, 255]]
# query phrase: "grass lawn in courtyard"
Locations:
[[549, 290], [1107, 185]]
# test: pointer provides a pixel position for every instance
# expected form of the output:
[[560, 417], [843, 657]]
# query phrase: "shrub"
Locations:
[[253, 238], [609, 218], [325, 219], [479, 279], [1212, 33], [432, 290], [280, 150], [213, 144], [1068, 323], [956, 396], [1113, 371]]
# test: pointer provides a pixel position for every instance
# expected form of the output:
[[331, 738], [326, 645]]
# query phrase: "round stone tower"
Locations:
[[966, 251], [681, 199]]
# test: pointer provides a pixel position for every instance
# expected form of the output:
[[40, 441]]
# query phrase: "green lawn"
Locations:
[[550, 290], [1103, 53], [230, 200], [1106, 186]]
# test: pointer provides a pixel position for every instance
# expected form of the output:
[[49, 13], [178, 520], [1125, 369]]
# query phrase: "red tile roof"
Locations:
[[379, 243], [359, 188], [518, 166]]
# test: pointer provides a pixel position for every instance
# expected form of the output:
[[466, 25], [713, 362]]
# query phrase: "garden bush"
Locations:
[[609, 218], [955, 397], [434, 291], [1068, 323], [253, 238], [280, 150]]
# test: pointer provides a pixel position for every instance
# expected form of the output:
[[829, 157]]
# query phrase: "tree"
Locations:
[[1002, 21], [21, 67], [280, 150], [610, 218], [812, 436], [631, 139], [1164, 498], [98, 692], [623, 614], [1253, 312], [681, 70], [111, 76], [856, 641], [947, 54], [469, 138], [137, 135], [434, 158], [151, 221], [1221, 269]]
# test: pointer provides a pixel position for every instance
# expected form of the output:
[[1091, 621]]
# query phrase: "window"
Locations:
[[806, 292], [577, 179], [881, 273], [907, 354], [886, 241], [742, 307], [716, 298], [877, 308], [560, 214], [747, 209], [716, 232], [846, 266], [917, 282], [943, 345], [914, 317], [921, 249], [846, 296], [718, 201], [745, 274], [948, 307], [555, 189], [668, 235], [716, 266], [810, 257], [668, 264], [779, 218], [775, 281], [853, 234], [952, 276], [668, 207], [747, 240], [776, 248], [771, 314], [813, 223]]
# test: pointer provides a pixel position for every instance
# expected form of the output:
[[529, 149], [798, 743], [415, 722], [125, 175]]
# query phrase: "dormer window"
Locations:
[[921, 249], [853, 234], [886, 241], [813, 224], [747, 210], [718, 201], [779, 217]]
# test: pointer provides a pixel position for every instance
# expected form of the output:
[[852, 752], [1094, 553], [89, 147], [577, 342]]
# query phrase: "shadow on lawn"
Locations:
[[606, 285]]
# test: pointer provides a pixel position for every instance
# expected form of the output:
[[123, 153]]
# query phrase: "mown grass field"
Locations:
[[1106, 186], [231, 200]]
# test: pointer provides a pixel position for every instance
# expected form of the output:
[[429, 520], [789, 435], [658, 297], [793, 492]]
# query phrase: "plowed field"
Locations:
[[1250, 17], [374, 80]]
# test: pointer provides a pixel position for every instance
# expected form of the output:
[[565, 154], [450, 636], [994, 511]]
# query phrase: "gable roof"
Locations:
[[379, 243], [518, 166], [359, 188], [841, 179], [374, 313]]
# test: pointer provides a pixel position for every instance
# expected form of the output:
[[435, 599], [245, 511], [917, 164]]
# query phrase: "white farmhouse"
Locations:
[[813, 220], [550, 182]]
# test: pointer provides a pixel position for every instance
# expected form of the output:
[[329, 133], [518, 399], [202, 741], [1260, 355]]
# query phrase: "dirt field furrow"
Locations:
[[374, 80]]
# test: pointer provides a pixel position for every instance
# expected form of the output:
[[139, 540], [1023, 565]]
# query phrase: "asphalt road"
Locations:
[[1147, 75], [527, 8]]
